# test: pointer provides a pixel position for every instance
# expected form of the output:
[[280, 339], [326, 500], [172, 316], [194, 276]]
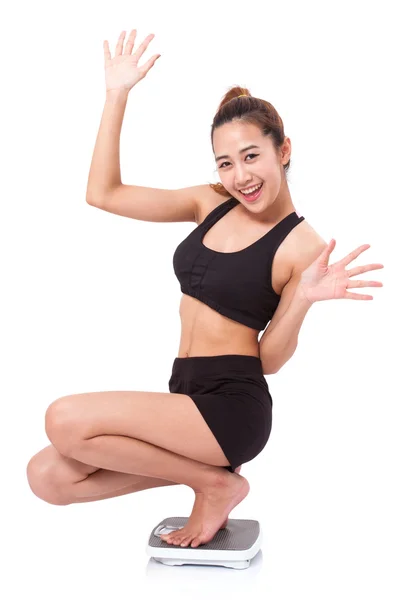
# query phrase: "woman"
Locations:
[[251, 261]]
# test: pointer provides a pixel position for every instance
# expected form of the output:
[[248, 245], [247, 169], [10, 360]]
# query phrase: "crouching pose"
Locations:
[[250, 263]]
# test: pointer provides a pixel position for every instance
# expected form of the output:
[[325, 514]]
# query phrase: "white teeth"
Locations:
[[251, 190]]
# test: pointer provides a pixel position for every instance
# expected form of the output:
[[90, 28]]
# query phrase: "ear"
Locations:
[[286, 150]]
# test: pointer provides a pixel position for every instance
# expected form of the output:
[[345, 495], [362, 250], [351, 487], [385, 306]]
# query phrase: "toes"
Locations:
[[173, 538], [186, 540], [170, 537], [176, 542], [181, 540]]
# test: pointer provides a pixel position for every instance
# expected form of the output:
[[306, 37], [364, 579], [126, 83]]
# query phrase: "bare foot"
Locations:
[[210, 511]]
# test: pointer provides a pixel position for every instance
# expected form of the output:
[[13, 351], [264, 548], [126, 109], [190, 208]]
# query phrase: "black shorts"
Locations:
[[232, 395]]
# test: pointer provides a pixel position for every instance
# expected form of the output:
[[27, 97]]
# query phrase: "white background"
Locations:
[[89, 300]]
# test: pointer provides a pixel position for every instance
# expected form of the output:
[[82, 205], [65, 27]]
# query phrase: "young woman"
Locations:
[[251, 261]]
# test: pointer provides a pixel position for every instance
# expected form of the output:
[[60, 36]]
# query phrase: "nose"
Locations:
[[242, 178]]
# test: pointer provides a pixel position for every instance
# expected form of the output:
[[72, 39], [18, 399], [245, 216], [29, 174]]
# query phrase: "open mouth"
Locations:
[[254, 195]]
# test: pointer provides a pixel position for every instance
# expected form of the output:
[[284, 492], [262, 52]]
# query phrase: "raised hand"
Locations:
[[321, 281], [123, 72]]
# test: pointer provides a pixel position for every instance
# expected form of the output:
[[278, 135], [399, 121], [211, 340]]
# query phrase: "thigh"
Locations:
[[53, 476], [169, 420]]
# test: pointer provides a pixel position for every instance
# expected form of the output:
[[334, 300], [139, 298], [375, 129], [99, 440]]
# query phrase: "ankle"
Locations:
[[212, 477]]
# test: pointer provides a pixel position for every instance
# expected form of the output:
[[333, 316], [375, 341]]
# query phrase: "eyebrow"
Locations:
[[240, 151]]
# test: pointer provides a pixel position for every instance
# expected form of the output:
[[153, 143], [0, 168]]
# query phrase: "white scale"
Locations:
[[232, 547]]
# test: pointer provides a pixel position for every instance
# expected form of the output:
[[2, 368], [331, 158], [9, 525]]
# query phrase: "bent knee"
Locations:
[[57, 424], [43, 481]]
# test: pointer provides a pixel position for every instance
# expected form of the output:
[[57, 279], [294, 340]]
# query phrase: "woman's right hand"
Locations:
[[122, 72]]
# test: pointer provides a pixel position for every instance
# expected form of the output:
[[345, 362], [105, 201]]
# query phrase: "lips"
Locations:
[[254, 195]]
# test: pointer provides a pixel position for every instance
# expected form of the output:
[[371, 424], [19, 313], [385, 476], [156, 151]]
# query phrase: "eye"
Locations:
[[226, 163]]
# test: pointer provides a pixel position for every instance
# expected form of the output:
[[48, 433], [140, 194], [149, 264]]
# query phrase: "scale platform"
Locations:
[[232, 547]]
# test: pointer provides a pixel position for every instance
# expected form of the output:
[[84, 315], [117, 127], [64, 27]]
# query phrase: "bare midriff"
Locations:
[[205, 332]]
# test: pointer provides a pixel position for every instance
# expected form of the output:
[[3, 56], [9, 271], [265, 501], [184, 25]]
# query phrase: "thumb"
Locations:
[[325, 254]]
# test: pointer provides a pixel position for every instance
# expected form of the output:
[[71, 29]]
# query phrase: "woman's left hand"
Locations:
[[321, 281]]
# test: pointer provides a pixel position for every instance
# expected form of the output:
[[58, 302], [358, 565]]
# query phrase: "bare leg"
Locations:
[[87, 489], [111, 480], [58, 479], [144, 433], [210, 502], [102, 479], [137, 457], [62, 480], [84, 427]]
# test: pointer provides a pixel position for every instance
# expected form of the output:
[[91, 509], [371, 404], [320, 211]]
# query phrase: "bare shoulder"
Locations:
[[206, 200], [307, 244]]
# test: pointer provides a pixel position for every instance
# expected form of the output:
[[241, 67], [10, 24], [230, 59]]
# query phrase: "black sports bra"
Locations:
[[236, 284]]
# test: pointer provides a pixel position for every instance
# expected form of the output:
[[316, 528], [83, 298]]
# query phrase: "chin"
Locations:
[[257, 206]]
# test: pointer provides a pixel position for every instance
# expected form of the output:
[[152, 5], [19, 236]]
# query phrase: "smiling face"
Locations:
[[241, 166]]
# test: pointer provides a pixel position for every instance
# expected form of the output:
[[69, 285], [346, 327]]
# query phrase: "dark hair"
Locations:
[[249, 110]]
